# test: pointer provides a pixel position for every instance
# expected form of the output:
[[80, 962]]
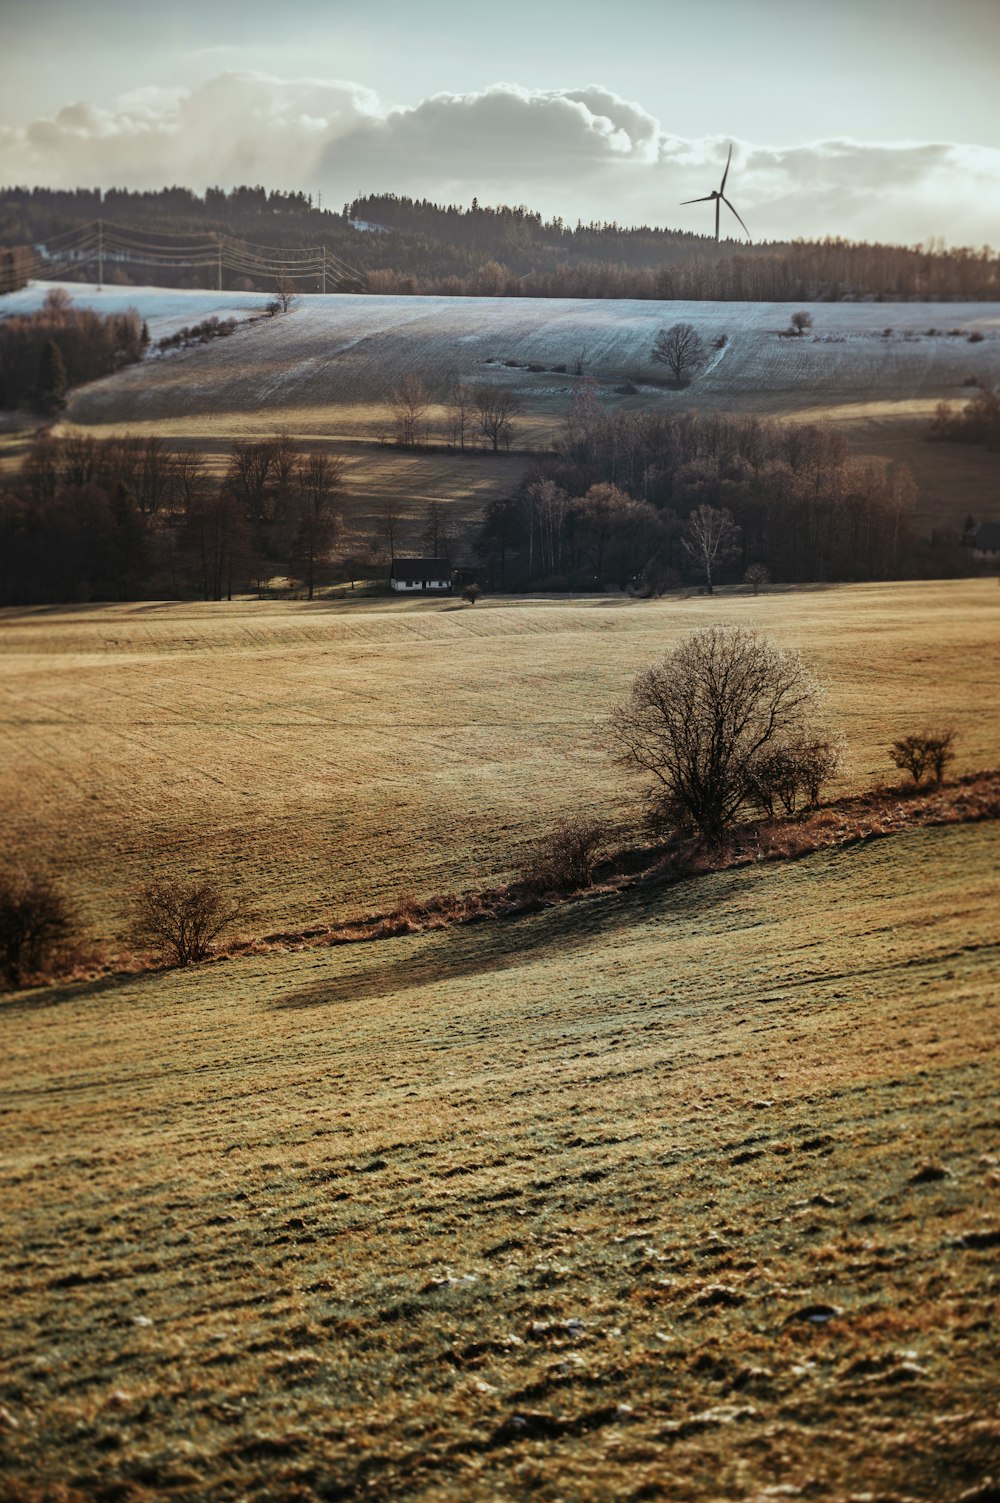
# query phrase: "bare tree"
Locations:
[[319, 481], [700, 718], [800, 323], [216, 540], [156, 475], [756, 576], [437, 538], [250, 468], [710, 537], [494, 407], [410, 400], [460, 411], [182, 920], [390, 516], [681, 349], [285, 288], [190, 477]]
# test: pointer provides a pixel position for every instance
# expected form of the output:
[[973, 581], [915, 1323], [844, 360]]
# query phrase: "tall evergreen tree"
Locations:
[[52, 382]]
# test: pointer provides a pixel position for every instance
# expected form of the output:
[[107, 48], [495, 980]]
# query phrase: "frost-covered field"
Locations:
[[163, 308], [348, 351]]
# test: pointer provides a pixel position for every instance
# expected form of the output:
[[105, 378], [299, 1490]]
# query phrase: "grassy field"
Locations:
[[681, 1194], [328, 758]]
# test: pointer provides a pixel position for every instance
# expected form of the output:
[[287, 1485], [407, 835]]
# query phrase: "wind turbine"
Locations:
[[719, 195]]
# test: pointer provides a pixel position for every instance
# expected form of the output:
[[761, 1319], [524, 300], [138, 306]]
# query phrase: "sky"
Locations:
[[872, 119]]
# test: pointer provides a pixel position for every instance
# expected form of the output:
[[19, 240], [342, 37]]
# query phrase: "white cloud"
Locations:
[[577, 152]]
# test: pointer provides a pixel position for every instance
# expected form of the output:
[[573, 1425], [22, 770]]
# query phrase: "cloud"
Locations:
[[582, 152]]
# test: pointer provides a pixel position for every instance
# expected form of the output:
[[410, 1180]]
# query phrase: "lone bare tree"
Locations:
[[285, 289], [800, 323], [703, 718], [681, 349], [710, 537]]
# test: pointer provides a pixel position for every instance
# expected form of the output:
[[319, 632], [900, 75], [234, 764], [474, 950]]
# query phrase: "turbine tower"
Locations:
[[719, 195]]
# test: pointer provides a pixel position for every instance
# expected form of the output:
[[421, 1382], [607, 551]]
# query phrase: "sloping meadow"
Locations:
[[682, 1193], [327, 760]]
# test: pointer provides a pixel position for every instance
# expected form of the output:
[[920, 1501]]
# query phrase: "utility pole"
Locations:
[[218, 251], [100, 253], [324, 268]]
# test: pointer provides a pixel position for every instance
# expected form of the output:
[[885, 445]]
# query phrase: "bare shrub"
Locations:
[[757, 576], [929, 752], [471, 593], [35, 921], [792, 775], [182, 920], [565, 858]]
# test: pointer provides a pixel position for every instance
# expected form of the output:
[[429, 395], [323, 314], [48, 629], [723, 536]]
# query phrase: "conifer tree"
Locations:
[[52, 382]]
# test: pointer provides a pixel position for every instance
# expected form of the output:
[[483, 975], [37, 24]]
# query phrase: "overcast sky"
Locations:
[[876, 119]]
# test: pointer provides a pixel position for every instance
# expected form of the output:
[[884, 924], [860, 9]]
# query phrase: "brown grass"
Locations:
[[541, 1207], [326, 758]]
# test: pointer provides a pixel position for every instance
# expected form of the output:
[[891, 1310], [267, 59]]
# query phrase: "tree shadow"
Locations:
[[462, 951]]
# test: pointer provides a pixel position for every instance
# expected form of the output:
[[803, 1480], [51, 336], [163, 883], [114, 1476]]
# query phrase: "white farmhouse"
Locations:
[[411, 574]]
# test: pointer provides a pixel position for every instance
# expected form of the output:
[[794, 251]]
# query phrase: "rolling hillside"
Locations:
[[326, 370], [675, 1195], [339, 356], [328, 758]]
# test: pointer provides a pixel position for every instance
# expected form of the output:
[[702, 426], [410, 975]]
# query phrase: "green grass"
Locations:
[[528, 1208]]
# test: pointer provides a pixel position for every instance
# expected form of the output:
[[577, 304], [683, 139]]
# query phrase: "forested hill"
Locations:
[[400, 245]]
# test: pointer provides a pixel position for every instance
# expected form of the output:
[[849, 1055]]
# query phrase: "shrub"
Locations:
[[757, 576], [565, 858], [976, 337], [789, 775], [182, 920], [35, 920], [930, 752], [471, 593]]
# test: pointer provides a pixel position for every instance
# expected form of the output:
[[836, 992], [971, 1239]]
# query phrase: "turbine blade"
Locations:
[[722, 185], [706, 200], [730, 207]]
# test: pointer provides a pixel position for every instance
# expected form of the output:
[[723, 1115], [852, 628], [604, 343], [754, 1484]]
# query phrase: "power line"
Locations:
[[100, 241]]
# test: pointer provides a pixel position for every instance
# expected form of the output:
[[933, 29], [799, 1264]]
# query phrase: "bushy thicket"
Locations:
[[35, 921], [615, 506], [978, 422], [208, 329], [89, 345], [120, 519]]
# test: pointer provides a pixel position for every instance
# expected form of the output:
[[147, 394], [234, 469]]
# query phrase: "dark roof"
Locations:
[[420, 568], [987, 537]]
